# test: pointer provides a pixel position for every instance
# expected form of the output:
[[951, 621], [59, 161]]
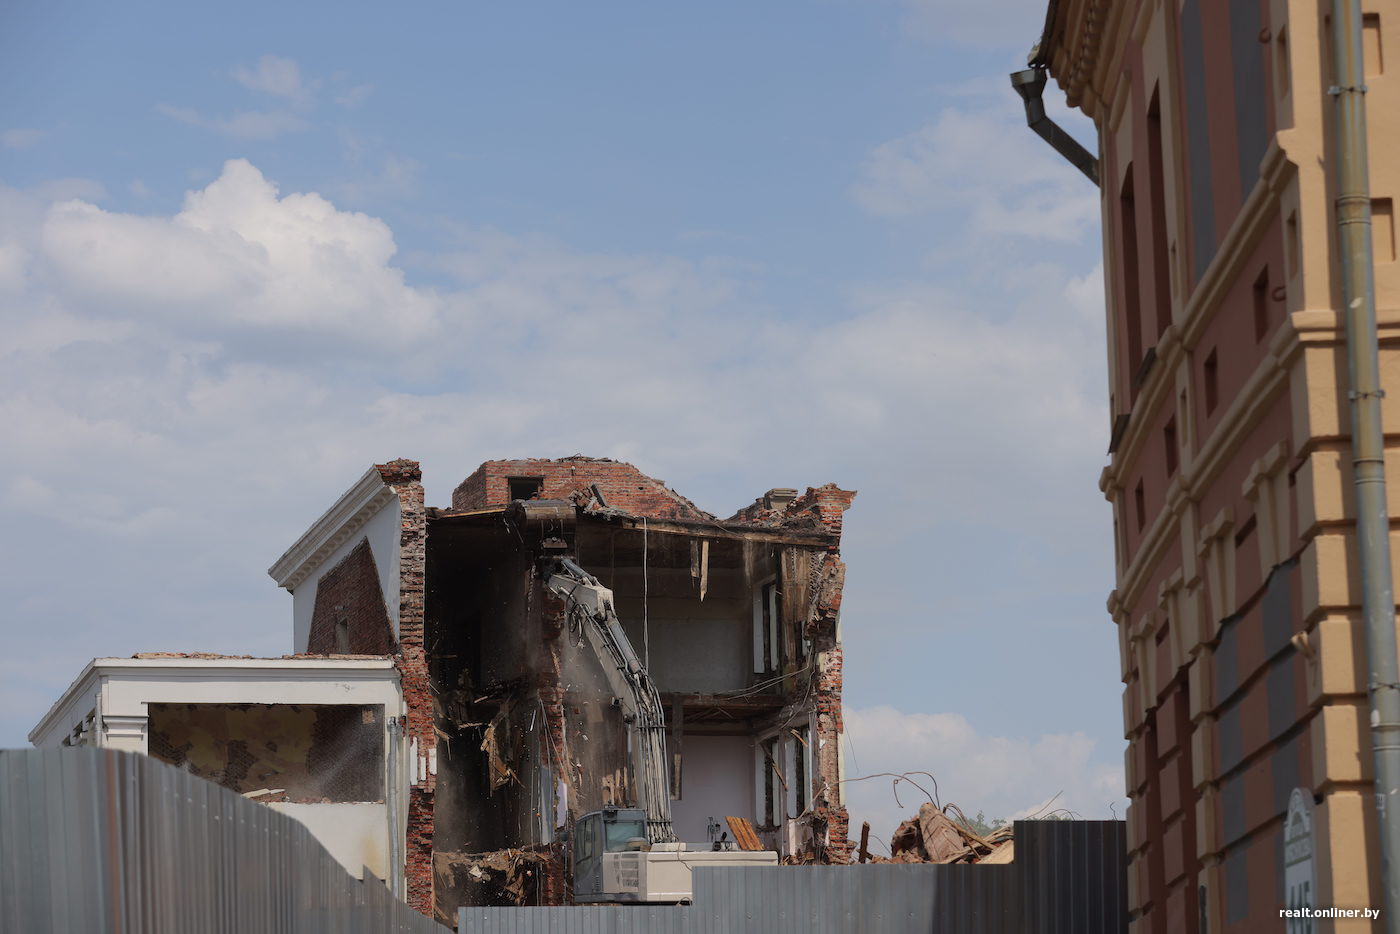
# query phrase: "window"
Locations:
[[767, 623], [1140, 506], [1261, 305], [1383, 230], [1132, 312], [1169, 442], [801, 768], [1246, 530], [524, 487], [586, 840], [1156, 157], [1290, 240], [1210, 372], [617, 834], [342, 637], [1371, 53], [770, 780]]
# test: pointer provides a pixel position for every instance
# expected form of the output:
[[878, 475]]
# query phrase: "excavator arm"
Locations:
[[591, 615]]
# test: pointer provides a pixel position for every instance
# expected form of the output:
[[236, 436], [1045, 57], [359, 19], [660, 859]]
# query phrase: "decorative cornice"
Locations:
[[350, 513], [79, 686], [299, 668]]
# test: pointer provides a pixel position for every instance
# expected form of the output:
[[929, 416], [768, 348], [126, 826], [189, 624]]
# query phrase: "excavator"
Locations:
[[630, 854]]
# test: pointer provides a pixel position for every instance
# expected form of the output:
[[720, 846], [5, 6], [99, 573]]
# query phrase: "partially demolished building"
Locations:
[[445, 718], [510, 732]]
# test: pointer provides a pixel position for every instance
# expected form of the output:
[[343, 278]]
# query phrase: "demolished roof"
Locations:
[[604, 487]]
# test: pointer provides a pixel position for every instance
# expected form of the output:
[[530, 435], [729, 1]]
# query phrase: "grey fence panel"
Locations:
[[979, 900], [118, 843], [1075, 876], [1068, 878], [591, 919]]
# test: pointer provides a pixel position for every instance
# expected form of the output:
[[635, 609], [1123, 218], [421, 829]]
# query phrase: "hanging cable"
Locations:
[[646, 624]]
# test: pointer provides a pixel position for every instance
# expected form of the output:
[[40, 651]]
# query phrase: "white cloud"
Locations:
[[57, 189], [199, 386], [986, 165], [1004, 777], [21, 138], [238, 256], [280, 77], [243, 125]]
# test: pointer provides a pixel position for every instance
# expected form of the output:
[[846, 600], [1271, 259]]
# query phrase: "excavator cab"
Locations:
[[611, 830]]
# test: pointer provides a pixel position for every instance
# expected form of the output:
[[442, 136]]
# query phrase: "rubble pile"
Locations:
[[512, 876], [934, 837]]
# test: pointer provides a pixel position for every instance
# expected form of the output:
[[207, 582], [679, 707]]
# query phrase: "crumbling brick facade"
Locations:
[[613, 484], [405, 478], [824, 507], [514, 727], [350, 615]]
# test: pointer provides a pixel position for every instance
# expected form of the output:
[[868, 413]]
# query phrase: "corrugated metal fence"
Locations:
[[1068, 878], [95, 840]]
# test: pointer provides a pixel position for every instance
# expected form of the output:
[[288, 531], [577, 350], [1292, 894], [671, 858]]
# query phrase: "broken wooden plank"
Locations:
[[1006, 853], [744, 834]]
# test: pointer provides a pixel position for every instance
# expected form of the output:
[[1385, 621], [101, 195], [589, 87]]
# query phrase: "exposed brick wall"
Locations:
[[827, 504], [418, 849], [826, 705], [818, 510], [405, 478], [350, 591], [623, 486]]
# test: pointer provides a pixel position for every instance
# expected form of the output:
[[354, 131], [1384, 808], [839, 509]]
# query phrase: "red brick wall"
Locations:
[[350, 591], [623, 486], [828, 503], [405, 478], [826, 702]]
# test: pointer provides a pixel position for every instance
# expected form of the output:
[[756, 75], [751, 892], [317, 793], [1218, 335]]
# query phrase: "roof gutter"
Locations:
[[1030, 84]]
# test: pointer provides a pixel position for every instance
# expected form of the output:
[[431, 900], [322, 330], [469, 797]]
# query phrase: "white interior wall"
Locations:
[[717, 781], [356, 834]]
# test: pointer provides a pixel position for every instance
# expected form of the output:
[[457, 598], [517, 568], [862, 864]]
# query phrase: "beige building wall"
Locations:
[[1236, 599]]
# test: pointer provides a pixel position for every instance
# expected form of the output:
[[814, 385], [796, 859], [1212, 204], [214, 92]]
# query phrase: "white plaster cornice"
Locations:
[[58, 711], [355, 507], [230, 670]]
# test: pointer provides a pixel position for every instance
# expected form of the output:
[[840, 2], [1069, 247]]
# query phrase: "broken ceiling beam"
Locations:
[[757, 703]]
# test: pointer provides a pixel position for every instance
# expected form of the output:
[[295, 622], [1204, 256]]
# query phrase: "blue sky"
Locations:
[[247, 251]]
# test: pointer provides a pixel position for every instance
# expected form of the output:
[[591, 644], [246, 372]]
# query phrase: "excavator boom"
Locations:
[[591, 615]]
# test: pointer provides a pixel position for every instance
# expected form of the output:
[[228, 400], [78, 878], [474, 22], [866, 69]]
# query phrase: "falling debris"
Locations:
[[491, 745], [514, 874]]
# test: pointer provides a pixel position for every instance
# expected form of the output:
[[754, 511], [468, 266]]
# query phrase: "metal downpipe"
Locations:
[[1030, 84], [1353, 207]]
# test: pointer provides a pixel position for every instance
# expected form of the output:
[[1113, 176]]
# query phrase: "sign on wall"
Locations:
[[1298, 859]]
